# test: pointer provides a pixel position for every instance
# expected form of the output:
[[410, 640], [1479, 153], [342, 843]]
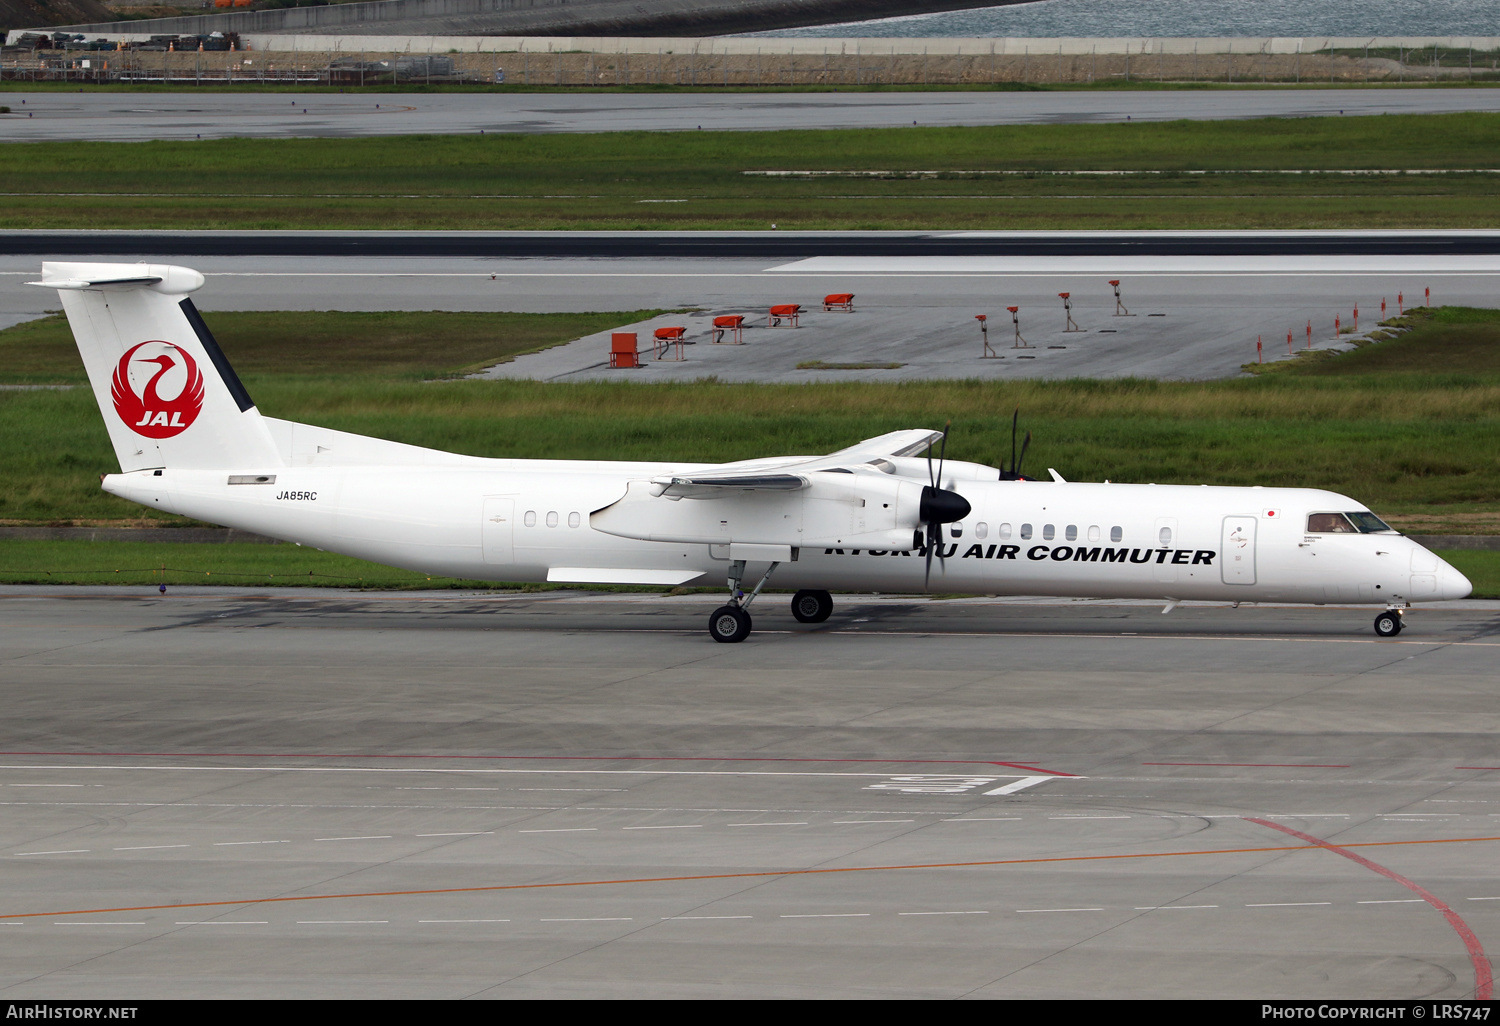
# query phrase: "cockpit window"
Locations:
[[1369, 523], [1329, 523]]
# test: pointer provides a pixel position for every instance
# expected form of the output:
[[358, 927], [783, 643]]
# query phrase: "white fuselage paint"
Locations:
[[468, 517]]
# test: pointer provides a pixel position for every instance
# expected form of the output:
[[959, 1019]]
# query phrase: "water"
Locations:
[[1187, 18]]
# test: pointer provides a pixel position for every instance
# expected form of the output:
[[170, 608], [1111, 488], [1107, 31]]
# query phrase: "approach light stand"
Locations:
[[1071, 324], [1015, 319], [984, 334]]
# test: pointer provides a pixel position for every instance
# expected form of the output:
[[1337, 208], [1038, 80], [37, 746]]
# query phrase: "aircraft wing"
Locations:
[[788, 474], [895, 443]]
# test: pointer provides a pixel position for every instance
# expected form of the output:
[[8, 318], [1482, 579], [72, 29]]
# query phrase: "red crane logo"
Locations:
[[145, 411]]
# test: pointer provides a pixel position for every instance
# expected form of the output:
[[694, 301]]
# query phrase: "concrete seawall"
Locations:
[[591, 17], [709, 63]]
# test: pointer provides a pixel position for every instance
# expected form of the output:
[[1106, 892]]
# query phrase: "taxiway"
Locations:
[[322, 794]]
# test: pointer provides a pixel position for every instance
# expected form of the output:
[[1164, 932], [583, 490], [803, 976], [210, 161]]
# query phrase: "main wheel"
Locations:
[[1388, 624], [812, 606], [729, 624]]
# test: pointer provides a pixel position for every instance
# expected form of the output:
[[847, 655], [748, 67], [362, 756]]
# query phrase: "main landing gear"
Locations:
[[1388, 624], [731, 623], [812, 606]]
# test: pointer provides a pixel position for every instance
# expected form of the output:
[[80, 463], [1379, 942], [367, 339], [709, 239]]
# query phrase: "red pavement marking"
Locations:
[[1484, 979], [545, 758], [743, 876]]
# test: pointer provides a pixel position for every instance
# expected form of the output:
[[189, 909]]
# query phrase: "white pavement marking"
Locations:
[[92, 923], [226, 922], [560, 830], [341, 922], [802, 823], [463, 920], [467, 770], [152, 847], [601, 919], [672, 918], [992, 819], [1286, 904], [848, 822], [226, 844], [373, 837], [828, 915], [679, 826], [459, 833], [976, 912], [1164, 908], [1019, 785], [1098, 909], [1398, 901], [68, 851]]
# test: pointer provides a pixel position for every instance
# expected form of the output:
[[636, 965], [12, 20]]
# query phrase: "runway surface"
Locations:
[[1456, 246], [128, 117], [1196, 314], [323, 794]]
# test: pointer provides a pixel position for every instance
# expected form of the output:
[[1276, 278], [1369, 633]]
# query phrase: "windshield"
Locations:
[[1369, 523]]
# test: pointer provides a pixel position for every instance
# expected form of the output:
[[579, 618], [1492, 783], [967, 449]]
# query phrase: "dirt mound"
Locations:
[[16, 14]]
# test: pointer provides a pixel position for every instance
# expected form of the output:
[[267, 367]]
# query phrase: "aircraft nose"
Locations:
[[1451, 583]]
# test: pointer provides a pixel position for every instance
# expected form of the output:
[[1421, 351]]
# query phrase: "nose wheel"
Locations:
[[1388, 624], [729, 624], [812, 606]]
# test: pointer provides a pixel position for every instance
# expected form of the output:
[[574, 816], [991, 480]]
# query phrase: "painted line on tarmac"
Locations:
[[1484, 976], [1313, 845], [515, 758]]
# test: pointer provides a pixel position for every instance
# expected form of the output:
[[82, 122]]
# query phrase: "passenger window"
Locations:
[[1005, 532], [1329, 523], [1115, 534], [574, 520], [1072, 532], [552, 518], [1094, 532], [1026, 532], [530, 519], [1165, 537], [955, 530], [981, 530], [1048, 532]]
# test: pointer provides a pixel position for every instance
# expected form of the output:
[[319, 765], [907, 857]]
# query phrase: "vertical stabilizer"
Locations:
[[167, 393]]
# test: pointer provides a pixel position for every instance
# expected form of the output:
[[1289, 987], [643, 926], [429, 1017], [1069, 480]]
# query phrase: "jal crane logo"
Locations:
[[142, 406]]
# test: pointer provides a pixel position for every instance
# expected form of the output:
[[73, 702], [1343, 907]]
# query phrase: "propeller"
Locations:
[[939, 506], [1014, 473]]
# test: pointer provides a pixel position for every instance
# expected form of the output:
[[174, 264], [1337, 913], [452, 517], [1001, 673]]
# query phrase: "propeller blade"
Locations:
[[1025, 444], [942, 453], [1015, 421]]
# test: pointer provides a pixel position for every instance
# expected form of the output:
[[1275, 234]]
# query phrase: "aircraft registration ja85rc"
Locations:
[[876, 516]]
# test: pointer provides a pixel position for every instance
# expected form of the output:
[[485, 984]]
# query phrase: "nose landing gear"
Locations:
[[731, 623], [1388, 624]]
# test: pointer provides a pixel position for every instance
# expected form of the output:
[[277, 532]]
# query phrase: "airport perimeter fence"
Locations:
[[709, 70]]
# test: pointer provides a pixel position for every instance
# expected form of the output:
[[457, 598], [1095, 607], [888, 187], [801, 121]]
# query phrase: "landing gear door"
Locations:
[[1238, 547], [498, 530]]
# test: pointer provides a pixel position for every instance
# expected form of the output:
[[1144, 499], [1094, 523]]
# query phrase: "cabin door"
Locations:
[[1237, 547]]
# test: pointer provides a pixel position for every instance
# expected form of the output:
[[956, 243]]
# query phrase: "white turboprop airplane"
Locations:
[[867, 518]]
